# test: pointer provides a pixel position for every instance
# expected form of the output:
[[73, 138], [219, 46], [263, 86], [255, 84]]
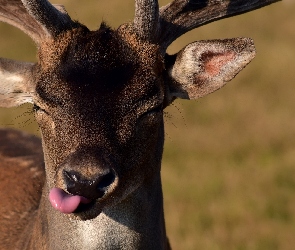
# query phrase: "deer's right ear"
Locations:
[[15, 87], [205, 66]]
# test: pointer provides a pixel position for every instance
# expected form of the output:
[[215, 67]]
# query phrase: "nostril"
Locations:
[[71, 178], [92, 187], [105, 181]]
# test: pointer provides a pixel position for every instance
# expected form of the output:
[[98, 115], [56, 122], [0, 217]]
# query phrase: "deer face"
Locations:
[[98, 102], [99, 95]]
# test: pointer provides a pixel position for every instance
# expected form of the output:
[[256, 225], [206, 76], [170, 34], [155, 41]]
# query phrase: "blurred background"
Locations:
[[229, 159]]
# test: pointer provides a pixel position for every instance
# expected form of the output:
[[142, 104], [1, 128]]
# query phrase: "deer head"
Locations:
[[99, 95]]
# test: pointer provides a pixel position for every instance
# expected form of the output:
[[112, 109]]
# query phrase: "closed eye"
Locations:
[[37, 108], [153, 112], [150, 117], [156, 109]]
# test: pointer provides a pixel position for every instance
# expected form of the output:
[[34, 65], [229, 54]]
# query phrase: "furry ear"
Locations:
[[15, 87], [205, 66]]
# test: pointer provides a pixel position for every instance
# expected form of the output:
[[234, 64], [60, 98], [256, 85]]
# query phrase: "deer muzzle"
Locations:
[[83, 179]]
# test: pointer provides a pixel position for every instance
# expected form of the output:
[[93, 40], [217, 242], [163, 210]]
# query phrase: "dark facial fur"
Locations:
[[97, 89]]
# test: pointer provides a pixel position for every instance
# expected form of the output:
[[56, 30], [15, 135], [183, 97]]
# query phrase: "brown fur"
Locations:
[[98, 99], [21, 180]]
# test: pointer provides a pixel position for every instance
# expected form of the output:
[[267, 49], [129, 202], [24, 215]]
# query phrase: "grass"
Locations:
[[229, 161]]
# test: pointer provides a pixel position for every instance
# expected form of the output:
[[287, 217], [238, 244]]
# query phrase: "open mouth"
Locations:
[[67, 203]]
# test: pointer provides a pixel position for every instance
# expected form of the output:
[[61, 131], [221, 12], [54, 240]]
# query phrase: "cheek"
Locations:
[[153, 141], [46, 124], [48, 130], [53, 140], [124, 132], [147, 144], [140, 158], [149, 129]]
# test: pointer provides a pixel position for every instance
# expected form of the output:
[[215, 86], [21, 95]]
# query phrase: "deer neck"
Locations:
[[135, 223]]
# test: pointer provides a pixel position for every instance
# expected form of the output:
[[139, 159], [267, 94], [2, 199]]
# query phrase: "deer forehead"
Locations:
[[96, 65], [102, 50]]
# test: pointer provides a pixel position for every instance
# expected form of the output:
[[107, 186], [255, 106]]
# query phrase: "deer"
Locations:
[[93, 179]]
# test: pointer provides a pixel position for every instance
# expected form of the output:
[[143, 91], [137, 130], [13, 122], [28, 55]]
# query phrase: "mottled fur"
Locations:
[[22, 162], [98, 99]]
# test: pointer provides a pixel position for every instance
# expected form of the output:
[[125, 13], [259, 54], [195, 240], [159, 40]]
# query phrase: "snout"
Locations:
[[84, 180], [92, 187]]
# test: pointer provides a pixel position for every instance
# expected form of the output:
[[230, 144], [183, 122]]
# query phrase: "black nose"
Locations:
[[92, 188]]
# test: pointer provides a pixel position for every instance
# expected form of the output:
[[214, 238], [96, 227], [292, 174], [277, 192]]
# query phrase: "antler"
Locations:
[[52, 20], [39, 19], [181, 16], [146, 20], [14, 13]]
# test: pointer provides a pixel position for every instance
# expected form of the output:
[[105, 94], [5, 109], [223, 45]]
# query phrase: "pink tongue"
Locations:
[[64, 202]]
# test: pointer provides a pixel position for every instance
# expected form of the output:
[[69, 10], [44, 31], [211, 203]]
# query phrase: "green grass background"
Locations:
[[229, 161]]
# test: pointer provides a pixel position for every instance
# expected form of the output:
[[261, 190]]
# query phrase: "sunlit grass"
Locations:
[[229, 161]]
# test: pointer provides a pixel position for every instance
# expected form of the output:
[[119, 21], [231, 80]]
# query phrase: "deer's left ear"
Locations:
[[15, 83], [205, 66]]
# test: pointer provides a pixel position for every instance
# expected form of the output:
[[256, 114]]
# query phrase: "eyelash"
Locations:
[[36, 108], [154, 111]]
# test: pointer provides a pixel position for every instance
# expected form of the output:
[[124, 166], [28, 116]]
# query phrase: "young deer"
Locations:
[[98, 98]]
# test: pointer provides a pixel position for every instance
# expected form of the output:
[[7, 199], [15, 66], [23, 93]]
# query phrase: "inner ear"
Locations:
[[213, 62], [205, 66]]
